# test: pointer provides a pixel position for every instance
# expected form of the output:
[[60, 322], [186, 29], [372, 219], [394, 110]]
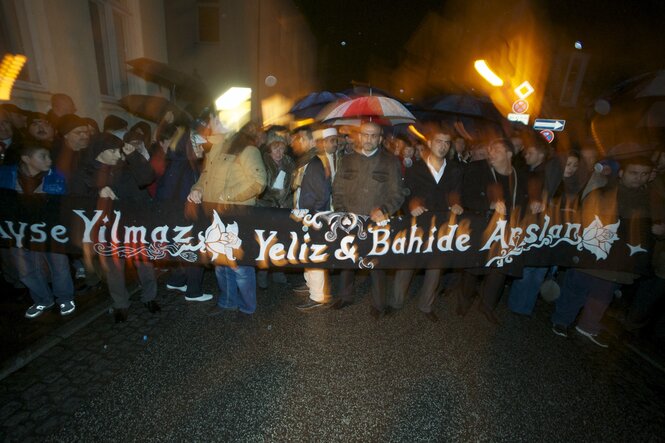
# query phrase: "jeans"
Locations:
[[31, 272], [238, 288], [524, 291], [583, 290]]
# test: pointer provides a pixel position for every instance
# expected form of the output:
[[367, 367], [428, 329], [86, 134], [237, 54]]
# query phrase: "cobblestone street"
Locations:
[[191, 375]]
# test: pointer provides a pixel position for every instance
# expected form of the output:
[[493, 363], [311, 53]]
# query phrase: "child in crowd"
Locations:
[[34, 175]]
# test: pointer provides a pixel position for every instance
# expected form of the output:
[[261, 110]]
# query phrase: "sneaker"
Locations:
[[262, 279], [309, 304], [67, 307], [301, 289], [560, 330], [37, 310], [593, 338], [202, 297], [80, 274], [177, 288]]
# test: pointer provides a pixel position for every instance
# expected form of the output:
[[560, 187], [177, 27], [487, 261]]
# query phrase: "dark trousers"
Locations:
[[427, 292], [490, 290], [378, 276], [189, 275]]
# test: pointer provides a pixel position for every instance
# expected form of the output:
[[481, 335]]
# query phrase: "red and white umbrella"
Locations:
[[382, 110]]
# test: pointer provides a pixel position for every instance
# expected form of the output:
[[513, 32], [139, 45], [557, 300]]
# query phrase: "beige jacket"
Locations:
[[232, 179]]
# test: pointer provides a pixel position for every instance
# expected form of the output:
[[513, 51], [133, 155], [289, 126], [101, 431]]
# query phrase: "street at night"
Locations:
[[329, 375], [296, 220]]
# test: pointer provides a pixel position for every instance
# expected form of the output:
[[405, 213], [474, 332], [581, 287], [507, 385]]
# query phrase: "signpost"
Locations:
[[522, 118], [548, 135], [520, 106], [551, 124]]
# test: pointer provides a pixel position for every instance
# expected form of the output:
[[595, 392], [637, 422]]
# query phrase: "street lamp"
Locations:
[[487, 73], [234, 107]]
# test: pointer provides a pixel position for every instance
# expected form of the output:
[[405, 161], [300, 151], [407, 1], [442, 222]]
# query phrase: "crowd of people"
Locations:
[[364, 169]]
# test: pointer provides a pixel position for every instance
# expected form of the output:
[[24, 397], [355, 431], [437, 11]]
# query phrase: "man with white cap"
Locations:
[[312, 184]]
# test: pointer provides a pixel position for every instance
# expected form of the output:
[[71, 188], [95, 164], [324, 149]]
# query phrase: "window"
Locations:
[[208, 21], [108, 21]]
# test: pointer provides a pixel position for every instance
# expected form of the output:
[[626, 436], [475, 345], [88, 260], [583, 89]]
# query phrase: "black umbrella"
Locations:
[[184, 86], [311, 105], [472, 116], [153, 108]]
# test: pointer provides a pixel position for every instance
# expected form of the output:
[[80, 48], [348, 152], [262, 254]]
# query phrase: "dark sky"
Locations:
[[624, 37], [370, 30]]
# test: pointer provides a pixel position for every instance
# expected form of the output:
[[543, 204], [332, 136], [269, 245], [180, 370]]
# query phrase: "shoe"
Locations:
[[177, 288], [593, 338], [85, 288], [36, 310], [279, 277], [488, 314], [262, 279], [376, 313], [340, 304], [120, 315], [152, 306], [309, 304], [431, 316], [202, 297], [301, 289], [67, 307], [560, 330], [389, 310], [80, 274]]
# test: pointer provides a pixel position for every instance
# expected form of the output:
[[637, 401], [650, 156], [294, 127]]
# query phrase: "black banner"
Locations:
[[266, 237]]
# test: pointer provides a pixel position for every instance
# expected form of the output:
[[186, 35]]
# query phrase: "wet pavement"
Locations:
[[189, 374]]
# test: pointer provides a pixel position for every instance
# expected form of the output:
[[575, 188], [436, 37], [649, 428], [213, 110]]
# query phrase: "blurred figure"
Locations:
[[233, 174], [61, 104], [278, 193], [460, 153], [69, 149], [17, 116], [119, 171], [312, 190], [10, 140], [494, 189], [182, 155], [34, 175], [591, 290], [40, 129]]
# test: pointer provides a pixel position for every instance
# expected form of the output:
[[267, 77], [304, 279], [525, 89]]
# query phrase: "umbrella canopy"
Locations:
[[311, 105], [382, 110], [153, 108], [473, 117], [463, 104], [186, 86]]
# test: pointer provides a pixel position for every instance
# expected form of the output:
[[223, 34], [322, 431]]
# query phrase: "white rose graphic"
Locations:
[[598, 239], [220, 239]]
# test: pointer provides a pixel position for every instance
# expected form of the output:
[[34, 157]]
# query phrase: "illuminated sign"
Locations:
[[524, 90]]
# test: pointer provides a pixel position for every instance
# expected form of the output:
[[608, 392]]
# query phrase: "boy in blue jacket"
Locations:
[[34, 175]]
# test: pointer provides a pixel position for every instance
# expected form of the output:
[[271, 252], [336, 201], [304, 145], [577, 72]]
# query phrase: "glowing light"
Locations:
[[9, 69], [416, 132], [487, 73], [578, 44], [233, 98]]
